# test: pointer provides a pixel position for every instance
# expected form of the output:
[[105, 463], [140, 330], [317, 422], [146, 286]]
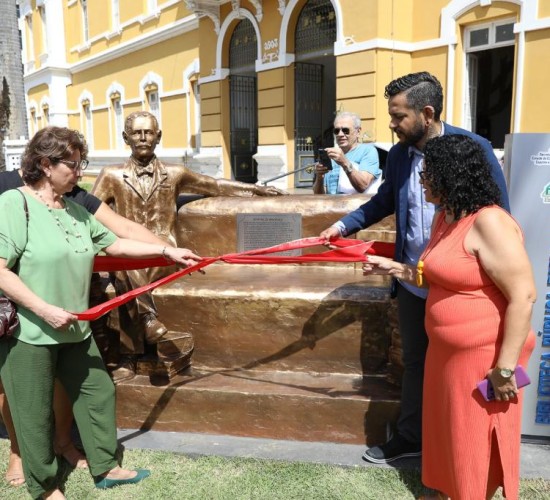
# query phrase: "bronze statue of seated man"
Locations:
[[145, 190]]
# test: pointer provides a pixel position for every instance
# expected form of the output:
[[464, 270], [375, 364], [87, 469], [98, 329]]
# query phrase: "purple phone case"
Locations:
[[486, 389]]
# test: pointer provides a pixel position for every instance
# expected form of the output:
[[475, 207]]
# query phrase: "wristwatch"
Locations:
[[348, 168], [505, 372]]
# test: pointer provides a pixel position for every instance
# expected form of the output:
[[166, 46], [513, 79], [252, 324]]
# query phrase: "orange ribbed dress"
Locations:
[[464, 321]]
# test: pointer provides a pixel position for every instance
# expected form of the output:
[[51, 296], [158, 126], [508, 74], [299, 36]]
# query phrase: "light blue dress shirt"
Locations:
[[420, 214]]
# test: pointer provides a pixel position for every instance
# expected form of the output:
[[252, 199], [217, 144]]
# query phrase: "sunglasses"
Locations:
[[344, 130], [82, 164]]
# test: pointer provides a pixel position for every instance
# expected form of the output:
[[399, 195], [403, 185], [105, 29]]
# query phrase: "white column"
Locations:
[[272, 162]]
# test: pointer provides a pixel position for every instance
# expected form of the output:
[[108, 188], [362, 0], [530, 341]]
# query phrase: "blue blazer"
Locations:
[[393, 192]]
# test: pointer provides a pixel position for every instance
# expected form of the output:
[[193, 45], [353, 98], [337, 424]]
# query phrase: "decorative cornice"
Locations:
[[45, 75], [184, 25], [217, 75], [236, 6], [259, 9], [350, 46], [206, 8]]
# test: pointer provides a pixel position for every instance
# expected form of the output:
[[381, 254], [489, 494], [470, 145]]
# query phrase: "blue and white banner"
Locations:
[[527, 171]]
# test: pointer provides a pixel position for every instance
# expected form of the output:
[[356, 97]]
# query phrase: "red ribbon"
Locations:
[[347, 251]]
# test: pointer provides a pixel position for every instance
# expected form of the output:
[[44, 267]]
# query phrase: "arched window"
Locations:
[[46, 114], [34, 121], [43, 27], [315, 84], [315, 29], [151, 92], [191, 87], [243, 52], [87, 122], [116, 105], [152, 96], [30, 46]]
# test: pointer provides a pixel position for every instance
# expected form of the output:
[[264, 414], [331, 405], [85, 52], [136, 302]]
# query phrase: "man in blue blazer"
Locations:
[[415, 102]]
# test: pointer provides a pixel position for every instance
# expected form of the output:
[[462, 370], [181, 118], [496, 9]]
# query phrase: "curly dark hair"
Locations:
[[54, 143], [457, 170], [421, 89]]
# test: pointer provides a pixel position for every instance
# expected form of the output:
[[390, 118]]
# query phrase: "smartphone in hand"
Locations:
[[324, 159], [486, 388]]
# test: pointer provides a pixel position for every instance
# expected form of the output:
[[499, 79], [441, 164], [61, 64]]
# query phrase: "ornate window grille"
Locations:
[[316, 28], [243, 48]]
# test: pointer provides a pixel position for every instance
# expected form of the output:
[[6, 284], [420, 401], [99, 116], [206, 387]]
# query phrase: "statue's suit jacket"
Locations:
[[155, 208], [119, 187]]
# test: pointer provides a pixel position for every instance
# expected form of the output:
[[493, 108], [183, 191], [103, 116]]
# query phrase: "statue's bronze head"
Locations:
[[142, 134]]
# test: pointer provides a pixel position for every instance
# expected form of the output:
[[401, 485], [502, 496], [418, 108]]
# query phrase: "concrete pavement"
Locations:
[[535, 458]]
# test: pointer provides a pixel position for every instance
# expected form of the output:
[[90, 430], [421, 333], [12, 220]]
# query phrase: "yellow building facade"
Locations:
[[248, 89]]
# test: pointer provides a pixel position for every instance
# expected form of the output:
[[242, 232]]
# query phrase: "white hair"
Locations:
[[356, 119]]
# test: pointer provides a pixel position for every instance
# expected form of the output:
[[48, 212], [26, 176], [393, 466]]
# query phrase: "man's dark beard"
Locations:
[[415, 136]]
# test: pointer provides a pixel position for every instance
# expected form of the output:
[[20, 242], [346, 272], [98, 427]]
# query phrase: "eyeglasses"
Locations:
[[82, 164], [344, 130]]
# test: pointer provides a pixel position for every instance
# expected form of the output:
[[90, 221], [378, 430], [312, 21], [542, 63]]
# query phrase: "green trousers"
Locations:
[[28, 373]]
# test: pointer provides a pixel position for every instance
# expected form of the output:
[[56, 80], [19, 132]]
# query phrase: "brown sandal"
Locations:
[[14, 475]]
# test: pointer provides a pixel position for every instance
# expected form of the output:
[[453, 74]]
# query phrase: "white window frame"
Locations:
[[115, 15], [33, 116], [46, 114], [86, 117], [30, 49], [118, 115], [153, 103], [149, 80], [491, 44], [114, 92], [85, 25], [196, 89], [44, 26], [88, 120], [470, 66]]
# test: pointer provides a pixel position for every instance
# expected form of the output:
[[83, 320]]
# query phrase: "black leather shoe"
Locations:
[[397, 447], [154, 329]]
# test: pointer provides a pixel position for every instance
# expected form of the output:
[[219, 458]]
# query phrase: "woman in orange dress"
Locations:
[[478, 312]]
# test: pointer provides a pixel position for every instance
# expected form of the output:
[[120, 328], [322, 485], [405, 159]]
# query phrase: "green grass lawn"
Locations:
[[175, 477]]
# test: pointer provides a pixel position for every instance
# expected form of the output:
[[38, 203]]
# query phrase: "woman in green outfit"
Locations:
[[55, 249]]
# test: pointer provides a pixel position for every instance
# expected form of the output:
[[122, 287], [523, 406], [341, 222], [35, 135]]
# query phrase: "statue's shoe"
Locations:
[[125, 370], [154, 329]]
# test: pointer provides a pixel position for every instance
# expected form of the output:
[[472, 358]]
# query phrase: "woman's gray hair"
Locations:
[[348, 114]]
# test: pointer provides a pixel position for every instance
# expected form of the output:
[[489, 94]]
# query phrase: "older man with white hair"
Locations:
[[350, 167]]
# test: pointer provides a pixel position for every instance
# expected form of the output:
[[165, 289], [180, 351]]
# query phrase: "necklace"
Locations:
[[431, 245], [67, 233]]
